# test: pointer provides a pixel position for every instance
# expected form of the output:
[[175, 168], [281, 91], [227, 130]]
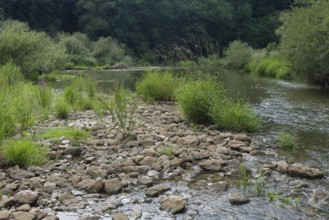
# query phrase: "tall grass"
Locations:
[[24, 153], [287, 140], [62, 108], [196, 97], [69, 133], [157, 86]]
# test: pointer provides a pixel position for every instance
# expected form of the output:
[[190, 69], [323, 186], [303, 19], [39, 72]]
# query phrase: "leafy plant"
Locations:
[[157, 86], [234, 116], [69, 133], [287, 140], [120, 107], [24, 152]]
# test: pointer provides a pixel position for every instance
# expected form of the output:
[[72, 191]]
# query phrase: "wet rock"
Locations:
[[112, 186], [155, 191], [120, 216], [238, 199], [4, 215], [301, 170], [282, 166], [74, 151], [96, 186], [26, 197], [220, 186], [136, 214], [145, 180], [95, 217], [173, 204], [212, 165], [24, 216]]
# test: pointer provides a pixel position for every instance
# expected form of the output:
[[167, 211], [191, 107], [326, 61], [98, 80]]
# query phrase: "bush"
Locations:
[[234, 116], [195, 99], [62, 109], [238, 54], [157, 86], [287, 140], [69, 133], [24, 153]]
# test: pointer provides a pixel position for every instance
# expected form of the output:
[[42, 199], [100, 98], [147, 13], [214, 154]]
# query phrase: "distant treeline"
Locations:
[[152, 28]]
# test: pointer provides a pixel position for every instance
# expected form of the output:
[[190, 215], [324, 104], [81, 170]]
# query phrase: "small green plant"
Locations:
[[62, 109], [167, 150], [0, 195], [69, 133], [260, 183], [44, 96], [234, 116], [196, 97], [120, 107], [157, 86], [24, 152], [283, 199], [287, 140], [245, 176]]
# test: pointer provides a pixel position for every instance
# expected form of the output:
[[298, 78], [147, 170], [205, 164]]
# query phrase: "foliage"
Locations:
[[167, 150], [30, 50], [157, 86], [24, 152], [234, 116], [287, 140], [62, 108], [69, 133], [270, 66], [246, 176], [305, 40], [120, 107], [196, 97], [238, 54]]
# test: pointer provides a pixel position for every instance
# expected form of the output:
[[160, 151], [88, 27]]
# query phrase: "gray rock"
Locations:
[[24, 216], [148, 160], [18, 174], [146, 142], [120, 216], [242, 137], [220, 186], [112, 186], [282, 166], [5, 203], [84, 184], [145, 180], [177, 162], [301, 170], [49, 187], [136, 214], [23, 208], [212, 165], [26, 197], [238, 199], [173, 204], [153, 174], [156, 190], [4, 215], [190, 140], [74, 151], [96, 186]]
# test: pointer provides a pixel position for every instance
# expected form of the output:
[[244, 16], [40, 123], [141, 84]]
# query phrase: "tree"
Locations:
[[305, 40]]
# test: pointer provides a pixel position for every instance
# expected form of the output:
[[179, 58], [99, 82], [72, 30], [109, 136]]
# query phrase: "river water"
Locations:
[[283, 106]]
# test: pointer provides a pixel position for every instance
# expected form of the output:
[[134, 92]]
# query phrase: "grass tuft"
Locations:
[[287, 140], [68, 133]]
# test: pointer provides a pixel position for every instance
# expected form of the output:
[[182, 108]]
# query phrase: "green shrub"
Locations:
[[234, 116], [24, 153], [238, 54], [195, 99], [287, 140], [69, 133], [157, 86], [62, 109]]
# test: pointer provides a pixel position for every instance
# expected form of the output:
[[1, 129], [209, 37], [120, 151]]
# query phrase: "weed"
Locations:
[[69, 133], [62, 109], [24, 153], [260, 184], [157, 86], [44, 96], [246, 178], [287, 140], [167, 150]]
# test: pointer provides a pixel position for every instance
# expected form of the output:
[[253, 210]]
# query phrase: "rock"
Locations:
[[148, 160], [212, 165], [57, 178], [18, 174], [4, 215], [220, 186], [74, 151], [149, 152], [24, 216], [301, 170], [242, 137], [173, 204], [112, 186], [84, 184], [236, 145], [153, 174], [145, 180], [96, 186], [177, 162], [26, 197], [136, 214], [282, 166], [5, 203], [156, 190], [146, 142], [24, 208], [238, 199], [51, 218], [49, 187], [120, 216], [190, 140]]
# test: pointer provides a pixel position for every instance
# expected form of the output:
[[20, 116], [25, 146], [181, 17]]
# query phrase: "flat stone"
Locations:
[[155, 191], [4, 215], [18, 174], [23, 208], [190, 140], [145, 180], [84, 184], [282, 166], [177, 162], [74, 151], [220, 186], [148, 160], [26, 197], [146, 142], [242, 137], [212, 165], [173, 204], [96, 186], [120, 216], [238, 199], [5, 203], [24, 216], [112, 186], [49, 187], [301, 170]]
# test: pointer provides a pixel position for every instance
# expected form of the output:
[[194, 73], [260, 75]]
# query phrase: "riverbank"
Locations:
[[165, 168]]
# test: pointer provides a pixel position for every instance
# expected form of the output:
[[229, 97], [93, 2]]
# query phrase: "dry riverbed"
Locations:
[[166, 168]]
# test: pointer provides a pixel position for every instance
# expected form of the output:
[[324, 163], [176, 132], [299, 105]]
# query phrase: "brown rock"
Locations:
[[212, 165], [173, 204], [112, 186], [26, 197], [24, 216], [301, 170]]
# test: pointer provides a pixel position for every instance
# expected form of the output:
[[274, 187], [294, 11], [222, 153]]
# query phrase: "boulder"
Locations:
[[238, 199], [96, 186], [26, 197], [4, 215], [24, 216], [120, 216], [282, 166], [211, 165], [112, 186], [74, 151], [173, 204], [156, 190], [301, 170]]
